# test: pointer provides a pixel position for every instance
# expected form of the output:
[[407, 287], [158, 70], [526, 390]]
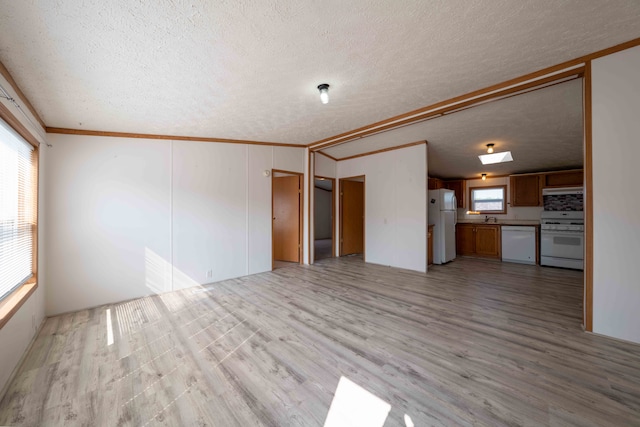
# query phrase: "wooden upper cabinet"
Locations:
[[435, 184], [564, 179], [526, 190], [459, 186]]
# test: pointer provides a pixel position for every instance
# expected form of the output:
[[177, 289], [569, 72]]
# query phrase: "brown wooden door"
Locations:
[[286, 218], [351, 217]]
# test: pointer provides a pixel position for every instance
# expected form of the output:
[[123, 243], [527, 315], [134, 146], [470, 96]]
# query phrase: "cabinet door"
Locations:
[[564, 179], [465, 239], [435, 184], [525, 190], [430, 246], [488, 241], [458, 186]]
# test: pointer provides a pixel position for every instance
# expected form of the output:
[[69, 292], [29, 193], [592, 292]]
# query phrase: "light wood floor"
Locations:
[[322, 249], [471, 343]]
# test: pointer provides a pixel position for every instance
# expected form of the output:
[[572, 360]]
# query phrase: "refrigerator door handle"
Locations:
[[455, 210]]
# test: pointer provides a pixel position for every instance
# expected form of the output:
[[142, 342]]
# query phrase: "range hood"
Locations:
[[562, 191]]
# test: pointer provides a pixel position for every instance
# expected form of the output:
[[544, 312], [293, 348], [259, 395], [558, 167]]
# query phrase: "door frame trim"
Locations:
[[300, 215], [587, 177], [333, 214], [364, 220]]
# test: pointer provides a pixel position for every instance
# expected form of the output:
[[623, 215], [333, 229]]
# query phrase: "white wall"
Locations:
[[259, 204], [132, 217], [616, 232], [17, 334], [109, 234], [521, 213], [322, 213], [325, 166], [210, 212], [20, 330], [395, 205]]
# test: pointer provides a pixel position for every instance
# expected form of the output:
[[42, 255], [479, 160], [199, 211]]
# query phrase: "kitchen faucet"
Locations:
[[487, 218]]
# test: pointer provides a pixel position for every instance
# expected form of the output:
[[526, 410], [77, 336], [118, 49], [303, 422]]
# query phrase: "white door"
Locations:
[[448, 202], [449, 237], [519, 244]]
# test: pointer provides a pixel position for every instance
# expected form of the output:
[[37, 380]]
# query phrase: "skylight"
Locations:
[[489, 159]]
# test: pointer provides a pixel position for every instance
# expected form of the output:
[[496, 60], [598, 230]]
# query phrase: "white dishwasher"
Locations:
[[519, 244]]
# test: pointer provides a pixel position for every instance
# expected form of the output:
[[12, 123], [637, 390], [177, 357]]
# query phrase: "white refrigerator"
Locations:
[[443, 214]]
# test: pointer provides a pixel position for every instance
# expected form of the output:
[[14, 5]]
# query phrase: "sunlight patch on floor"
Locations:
[[352, 405]]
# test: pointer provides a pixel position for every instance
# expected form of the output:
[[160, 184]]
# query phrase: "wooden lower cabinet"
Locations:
[[488, 241], [465, 239], [430, 245], [480, 240]]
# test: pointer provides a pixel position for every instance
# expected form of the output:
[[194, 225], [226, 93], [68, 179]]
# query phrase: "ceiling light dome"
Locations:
[[324, 93]]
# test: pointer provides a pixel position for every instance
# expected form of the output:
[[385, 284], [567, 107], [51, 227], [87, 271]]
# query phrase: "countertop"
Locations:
[[530, 222]]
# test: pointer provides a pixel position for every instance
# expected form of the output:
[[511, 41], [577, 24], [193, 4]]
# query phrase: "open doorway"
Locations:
[[543, 205], [324, 221], [286, 207], [352, 216]]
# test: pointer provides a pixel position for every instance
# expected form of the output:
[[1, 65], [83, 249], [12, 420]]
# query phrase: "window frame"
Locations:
[[12, 302], [489, 187]]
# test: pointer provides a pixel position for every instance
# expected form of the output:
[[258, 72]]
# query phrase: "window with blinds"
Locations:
[[18, 209]]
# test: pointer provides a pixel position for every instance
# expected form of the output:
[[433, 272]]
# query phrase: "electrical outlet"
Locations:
[[209, 274]]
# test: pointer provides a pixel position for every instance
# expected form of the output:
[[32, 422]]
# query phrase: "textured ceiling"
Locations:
[[249, 70], [542, 129]]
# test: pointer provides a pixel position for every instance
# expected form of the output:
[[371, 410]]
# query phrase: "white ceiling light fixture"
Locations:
[[484, 176], [489, 159], [324, 93], [490, 148]]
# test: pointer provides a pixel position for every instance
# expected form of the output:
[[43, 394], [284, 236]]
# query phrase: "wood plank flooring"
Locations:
[[471, 343]]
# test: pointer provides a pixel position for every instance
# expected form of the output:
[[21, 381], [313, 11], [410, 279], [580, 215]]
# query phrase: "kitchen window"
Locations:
[[18, 220], [488, 200]]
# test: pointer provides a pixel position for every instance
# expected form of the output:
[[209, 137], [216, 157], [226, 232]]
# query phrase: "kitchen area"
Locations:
[[533, 218]]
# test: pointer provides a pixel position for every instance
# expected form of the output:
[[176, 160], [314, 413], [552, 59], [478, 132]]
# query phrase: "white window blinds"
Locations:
[[17, 209]]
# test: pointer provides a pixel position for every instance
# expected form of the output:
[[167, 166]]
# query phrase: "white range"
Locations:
[[562, 228]]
